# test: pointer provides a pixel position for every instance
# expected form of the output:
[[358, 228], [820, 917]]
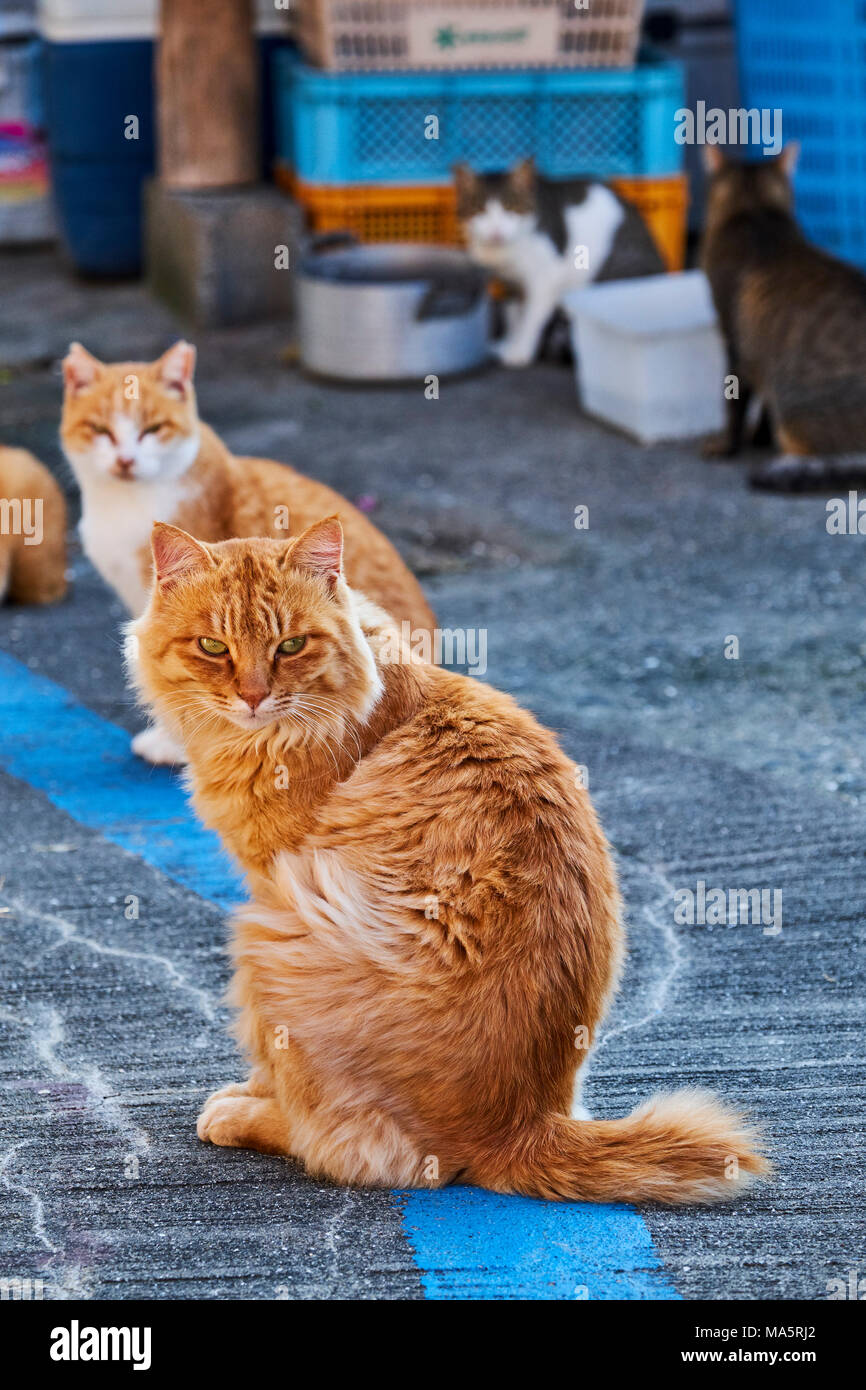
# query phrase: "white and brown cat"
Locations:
[[132, 434], [435, 910], [544, 237]]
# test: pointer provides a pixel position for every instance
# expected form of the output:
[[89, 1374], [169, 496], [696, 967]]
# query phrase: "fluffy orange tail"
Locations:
[[685, 1147]]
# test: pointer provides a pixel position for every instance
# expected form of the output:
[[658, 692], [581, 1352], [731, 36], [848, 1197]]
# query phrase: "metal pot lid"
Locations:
[[339, 259]]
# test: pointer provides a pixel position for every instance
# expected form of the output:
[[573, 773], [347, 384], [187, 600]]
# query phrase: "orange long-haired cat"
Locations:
[[435, 914], [32, 530], [132, 434]]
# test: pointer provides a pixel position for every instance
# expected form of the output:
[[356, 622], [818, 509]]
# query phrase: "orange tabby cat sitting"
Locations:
[[435, 913], [132, 434]]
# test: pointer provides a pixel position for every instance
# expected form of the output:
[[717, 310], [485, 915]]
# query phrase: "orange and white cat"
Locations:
[[132, 434], [435, 916]]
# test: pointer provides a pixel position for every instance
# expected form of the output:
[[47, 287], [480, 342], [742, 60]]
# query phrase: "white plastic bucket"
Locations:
[[649, 357]]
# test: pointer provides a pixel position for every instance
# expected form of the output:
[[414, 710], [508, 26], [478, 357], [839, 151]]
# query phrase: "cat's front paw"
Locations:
[[243, 1122], [218, 1121], [511, 354], [158, 747]]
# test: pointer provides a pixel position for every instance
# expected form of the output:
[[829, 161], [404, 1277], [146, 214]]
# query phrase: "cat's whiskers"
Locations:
[[211, 717], [293, 723], [322, 704], [294, 736], [181, 704], [330, 741], [332, 717], [317, 736], [327, 705]]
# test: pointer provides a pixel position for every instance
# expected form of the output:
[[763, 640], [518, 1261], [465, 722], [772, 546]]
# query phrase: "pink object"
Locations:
[[367, 502]]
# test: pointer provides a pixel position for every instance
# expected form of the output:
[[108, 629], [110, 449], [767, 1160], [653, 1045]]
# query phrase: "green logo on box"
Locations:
[[449, 36]]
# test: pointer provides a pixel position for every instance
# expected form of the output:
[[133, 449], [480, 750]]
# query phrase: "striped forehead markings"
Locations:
[[254, 605]]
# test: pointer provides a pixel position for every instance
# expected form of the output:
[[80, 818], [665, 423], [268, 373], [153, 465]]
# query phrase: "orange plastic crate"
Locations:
[[663, 205], [379, 212]]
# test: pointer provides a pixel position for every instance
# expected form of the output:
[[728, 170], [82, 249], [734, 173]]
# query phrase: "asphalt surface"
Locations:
[[741, 773]]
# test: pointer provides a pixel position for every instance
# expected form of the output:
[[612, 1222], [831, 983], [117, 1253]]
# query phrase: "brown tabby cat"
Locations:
[[794, 322], [435, 912], [32, 530], [132, 433]]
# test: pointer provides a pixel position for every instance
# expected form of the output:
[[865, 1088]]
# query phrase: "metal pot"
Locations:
[[390, 312]]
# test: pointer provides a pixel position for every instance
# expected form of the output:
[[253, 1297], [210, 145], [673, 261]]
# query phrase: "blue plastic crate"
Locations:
[[810, 62], [341, 128]]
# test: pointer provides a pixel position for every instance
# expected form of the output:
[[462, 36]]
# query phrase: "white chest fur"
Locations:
[[116, 522], [591, 227]]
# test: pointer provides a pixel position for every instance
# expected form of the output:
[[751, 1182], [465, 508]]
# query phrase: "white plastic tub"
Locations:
[[649, 357]]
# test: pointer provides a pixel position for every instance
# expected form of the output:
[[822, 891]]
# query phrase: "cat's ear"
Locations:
[[522, 178], [465, 180], [176, 367], [80, 369], [714, 159], [788, 159], [319, 550], [176, 555]]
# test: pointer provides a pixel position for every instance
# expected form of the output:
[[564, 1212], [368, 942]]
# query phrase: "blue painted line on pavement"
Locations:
[[84, 764], [468, 1244], [479, 1245]]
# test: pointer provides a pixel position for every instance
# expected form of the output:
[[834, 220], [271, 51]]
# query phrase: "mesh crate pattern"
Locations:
[[387, 213], [414, 127], [811, 64], [381, 34]]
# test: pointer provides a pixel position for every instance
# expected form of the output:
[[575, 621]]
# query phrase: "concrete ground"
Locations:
[[741, 773]]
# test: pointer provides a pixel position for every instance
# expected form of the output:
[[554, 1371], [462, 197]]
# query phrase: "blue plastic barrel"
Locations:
[[99, 157]]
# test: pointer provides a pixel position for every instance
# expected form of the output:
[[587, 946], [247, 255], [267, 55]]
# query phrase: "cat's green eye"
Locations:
[[153, 429], [212, 646], [291, 645]]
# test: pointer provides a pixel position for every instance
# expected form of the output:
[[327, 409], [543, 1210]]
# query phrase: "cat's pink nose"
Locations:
[[253, 695], [125, 465]]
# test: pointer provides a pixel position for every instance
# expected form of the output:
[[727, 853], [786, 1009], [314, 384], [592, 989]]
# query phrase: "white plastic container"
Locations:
[[649, 357], [77, 21]]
